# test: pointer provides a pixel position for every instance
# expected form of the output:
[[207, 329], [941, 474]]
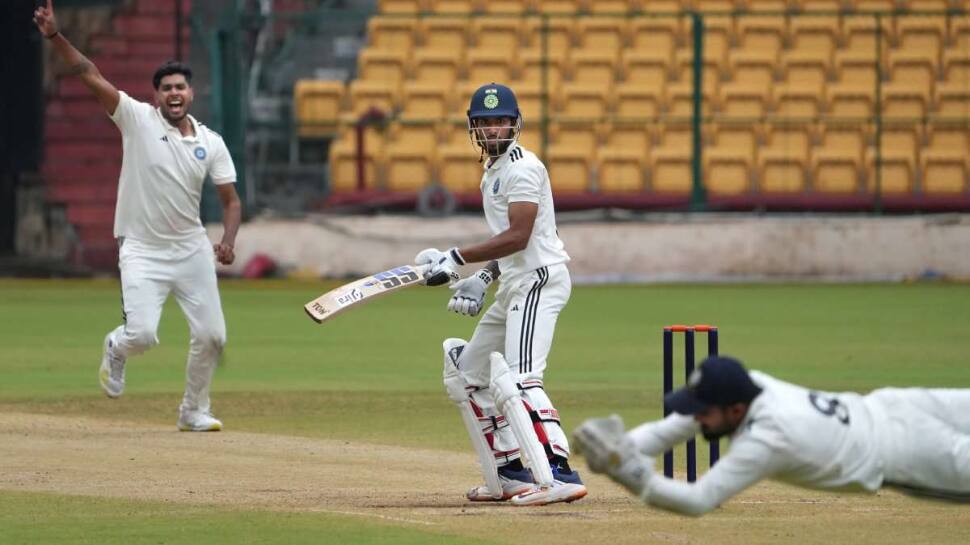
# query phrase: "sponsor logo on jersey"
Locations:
[[199, 153], [495, 186]]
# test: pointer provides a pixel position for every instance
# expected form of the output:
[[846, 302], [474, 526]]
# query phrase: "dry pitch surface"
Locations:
[[423, 489]]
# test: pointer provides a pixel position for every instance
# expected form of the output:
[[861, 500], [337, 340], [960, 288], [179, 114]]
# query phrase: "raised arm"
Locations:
[[78, 64]]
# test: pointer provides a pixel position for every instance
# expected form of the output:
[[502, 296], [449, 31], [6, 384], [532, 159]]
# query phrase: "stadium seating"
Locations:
[[789, 101]]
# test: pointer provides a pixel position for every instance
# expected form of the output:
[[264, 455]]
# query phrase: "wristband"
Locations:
[[52, 36], [456, 257]]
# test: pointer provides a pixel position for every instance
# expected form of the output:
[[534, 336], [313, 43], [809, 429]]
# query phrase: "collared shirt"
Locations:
[[519, 176], [790, 433], [162, 173]]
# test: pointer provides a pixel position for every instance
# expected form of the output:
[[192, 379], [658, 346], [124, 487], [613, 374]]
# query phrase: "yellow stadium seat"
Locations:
[[805, 67], [762, 33], [391, 33], [897, 159], [680, 101], [343, 160], [534, 63], [956, 66], [531, 138], [773, 6], [598, 66], [407, 168], [818, 6], [661, 6], [904, 101], [753, 68], [951, 136], [530, 98], [508, 7], [382, 65], [455, 133], [558, 7], [859, 35], [420, 135], [585, 101], [487, 65], [559, 33], [914, 69], [670, 170], [726, 171], [620, 170], [400, 6], [317, 106], [634, 137], [439, 66], [715, 6], [960, 34], [613, 7], [943, 172], [711, 70], [452, 7], [502, 34], [444, 33], [835, 171], [367, 94], [646, 68], [924, 34], [636, 102], [741, 101], [952, 101], [857, 68], [718, 37], [797, 102], [458, 168], [569, 170], [578, 135], [850, 138], [656, 35], [850, 101], [817, 33], [424, 101], [602, 33], [782, 163], [461, 98], [675, 135], [882, 6], [739, 138]]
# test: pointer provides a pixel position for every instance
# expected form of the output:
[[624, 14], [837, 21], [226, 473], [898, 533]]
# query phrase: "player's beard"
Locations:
[[174, 119], [713, 434]]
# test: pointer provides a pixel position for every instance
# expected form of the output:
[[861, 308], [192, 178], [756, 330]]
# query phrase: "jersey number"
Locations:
[[829, 406]]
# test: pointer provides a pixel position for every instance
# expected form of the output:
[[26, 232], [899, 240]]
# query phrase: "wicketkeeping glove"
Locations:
[[469, 297], [607, 450], [444, 265]]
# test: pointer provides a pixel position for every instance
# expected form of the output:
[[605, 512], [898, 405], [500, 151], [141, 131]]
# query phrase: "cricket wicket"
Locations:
[[688, 331]]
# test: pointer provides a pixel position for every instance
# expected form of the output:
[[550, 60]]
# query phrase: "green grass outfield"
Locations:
[[373, 376]]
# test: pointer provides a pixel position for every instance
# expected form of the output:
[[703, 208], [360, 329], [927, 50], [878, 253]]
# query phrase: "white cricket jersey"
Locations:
[[162, 173], [803, 437], [519, 176]]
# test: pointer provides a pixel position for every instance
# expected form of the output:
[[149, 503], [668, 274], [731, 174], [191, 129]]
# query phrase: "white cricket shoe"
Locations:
[[198, 421], [545, 495], [513, 484], [112, 372]]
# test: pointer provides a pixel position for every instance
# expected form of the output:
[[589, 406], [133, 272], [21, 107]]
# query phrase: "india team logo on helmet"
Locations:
[[493, 100]]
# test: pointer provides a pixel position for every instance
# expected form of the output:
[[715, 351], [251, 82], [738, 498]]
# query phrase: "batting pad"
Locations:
[[509, 403], [455, 386]]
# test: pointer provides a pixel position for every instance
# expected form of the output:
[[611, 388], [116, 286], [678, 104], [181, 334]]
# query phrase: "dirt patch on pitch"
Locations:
[[421, 488]]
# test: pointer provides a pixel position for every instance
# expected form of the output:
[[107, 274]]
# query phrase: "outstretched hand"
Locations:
[[45, 21]]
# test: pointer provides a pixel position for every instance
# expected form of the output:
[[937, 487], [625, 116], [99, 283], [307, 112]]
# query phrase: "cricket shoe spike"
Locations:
[[198, 421], [514, 482], [112, 371], [557, 492]]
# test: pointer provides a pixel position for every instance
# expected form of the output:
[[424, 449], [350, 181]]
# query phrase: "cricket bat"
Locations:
[[361, 291]]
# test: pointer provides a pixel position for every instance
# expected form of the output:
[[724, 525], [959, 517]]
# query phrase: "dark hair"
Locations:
[[171, 67]]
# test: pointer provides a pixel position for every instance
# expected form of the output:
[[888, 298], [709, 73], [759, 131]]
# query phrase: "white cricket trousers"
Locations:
[[148, 275], [520, 324], [925, 438]]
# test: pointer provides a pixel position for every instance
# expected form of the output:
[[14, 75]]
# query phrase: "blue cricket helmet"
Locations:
[[493, 100]]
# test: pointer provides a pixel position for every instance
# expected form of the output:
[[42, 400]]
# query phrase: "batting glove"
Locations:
[[469, 297], [444, 265]]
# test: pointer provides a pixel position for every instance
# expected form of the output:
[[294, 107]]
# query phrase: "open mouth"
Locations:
[[176, 106]]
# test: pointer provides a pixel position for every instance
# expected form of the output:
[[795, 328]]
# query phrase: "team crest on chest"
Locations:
[[495, 187], [199, 153]]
